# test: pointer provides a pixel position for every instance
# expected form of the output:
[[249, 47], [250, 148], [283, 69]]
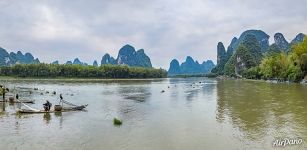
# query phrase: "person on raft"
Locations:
[[47, 106], [61, 97], [3, 91]]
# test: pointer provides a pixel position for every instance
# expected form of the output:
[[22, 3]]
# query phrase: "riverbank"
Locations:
[[79, 71], [11, 78], [303, 82]]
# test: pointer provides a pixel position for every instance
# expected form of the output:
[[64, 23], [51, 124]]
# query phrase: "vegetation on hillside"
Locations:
[[247, 55], [79, 71], [283, 66], [250, 62]]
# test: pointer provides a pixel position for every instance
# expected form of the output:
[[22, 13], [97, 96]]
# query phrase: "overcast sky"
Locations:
[[65, 29]]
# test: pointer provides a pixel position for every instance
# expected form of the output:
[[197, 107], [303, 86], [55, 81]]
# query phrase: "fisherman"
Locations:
[[47, 106], [3, 91], [61, 97]]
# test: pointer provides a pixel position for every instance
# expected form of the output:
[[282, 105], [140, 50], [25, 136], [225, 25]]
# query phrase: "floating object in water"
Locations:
[[117, 122], [47, 92], [199, 82], [35, 88], [42, 93], [11, 99], [54, 93], [168, 87], [162, 91]]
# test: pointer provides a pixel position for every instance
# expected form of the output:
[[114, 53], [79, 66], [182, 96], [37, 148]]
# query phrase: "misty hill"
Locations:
[[8, 59], [76, 61], [248, 50], [189, 67], [127, 55]]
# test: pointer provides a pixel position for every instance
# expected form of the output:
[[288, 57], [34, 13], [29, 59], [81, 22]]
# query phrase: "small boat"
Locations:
[[29, 111], [57, 108], [19, 101], [64, 109]]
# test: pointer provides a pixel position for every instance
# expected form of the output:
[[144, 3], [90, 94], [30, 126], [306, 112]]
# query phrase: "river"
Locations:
[[192, 113]]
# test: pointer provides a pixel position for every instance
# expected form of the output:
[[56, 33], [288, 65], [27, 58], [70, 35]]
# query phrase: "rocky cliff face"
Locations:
[[189, 67], [143, 59], [262, 38], [223, 56], [55, 62], [76, 61], [7, 59], [230, 48], [299, 38], [207, 66], [221, 53], [254, 44], [127, 55], [4, 57], [107, 59], [95, 64], [247, 55], [281, 42], [174, 67]]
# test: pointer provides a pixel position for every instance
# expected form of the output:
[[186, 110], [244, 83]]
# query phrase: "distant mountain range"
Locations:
[[8, 59], [256, 41], [127, 55], [189, 67]]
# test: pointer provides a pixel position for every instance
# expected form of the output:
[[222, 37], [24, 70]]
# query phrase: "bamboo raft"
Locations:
[[32, 111], [19, 101]]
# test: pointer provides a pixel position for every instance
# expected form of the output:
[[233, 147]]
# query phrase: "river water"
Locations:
[[192, 113]]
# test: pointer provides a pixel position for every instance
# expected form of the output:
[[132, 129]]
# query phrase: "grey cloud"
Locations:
[[62, 30]]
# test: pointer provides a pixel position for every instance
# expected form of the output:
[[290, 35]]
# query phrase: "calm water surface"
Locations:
[[214, 114]]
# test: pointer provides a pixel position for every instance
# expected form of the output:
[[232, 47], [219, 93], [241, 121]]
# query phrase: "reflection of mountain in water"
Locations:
[[259, 108]]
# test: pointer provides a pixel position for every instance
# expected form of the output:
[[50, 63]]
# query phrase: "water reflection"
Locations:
[[136, 93], [47, 118], [2, 107], [205, 87], [58, 114], [183, 117], [133, 96], [258, 108]]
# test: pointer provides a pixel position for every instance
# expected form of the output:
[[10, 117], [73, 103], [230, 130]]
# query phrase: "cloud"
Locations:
[[62, 30]]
